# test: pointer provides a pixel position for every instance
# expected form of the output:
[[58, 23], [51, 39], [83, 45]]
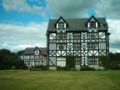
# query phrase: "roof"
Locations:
[[30, 51], [77, 24]]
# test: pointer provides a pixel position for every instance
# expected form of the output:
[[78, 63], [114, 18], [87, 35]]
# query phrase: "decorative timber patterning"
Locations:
[[85, 38]]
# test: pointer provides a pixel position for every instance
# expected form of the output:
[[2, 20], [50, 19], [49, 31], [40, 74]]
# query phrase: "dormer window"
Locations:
[[61, 25], [37, 52], [92, 22]]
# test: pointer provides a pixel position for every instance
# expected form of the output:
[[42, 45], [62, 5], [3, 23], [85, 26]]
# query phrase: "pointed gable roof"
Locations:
[[30, 51], [60, 19], [93, 17]]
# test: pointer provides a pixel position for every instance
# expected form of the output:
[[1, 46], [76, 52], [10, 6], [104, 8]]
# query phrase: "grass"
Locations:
[[59, 80]]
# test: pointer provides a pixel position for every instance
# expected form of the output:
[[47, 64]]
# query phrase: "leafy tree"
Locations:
[[111, 62], [105, 61], [115, 61], [9, 60]]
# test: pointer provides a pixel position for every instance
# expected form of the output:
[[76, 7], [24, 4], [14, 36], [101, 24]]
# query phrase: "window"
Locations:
[[37, 52], [92, 24], [93, 60], [92, 45], [93, 35], [26, 57], [77, 61], [76, 46], [36, 57], [61, 62], [76, 36], [32, 57], [52, 46], [61, 46], [61, 36], [60, 25]]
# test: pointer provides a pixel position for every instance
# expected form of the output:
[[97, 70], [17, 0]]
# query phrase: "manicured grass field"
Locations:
[[59, 80]]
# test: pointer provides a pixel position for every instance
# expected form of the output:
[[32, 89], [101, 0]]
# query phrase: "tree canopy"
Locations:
[[9, 60]]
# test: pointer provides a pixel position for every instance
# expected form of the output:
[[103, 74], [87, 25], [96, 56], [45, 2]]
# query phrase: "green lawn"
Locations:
[[59, 80]]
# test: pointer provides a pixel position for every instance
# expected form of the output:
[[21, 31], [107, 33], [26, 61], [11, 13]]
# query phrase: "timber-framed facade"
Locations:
[[86, 39]]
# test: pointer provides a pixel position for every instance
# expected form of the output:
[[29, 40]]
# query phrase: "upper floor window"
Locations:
[[76, 36], [76, 46], [61, 36], [61, 25], [93, 35], [92, 45], [37, 52], [61, 46], [92, 23]]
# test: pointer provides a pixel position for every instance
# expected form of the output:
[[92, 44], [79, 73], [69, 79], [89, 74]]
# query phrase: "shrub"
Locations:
[[70, 62], [105, 61], [38, 68], [86, 68], [115, 66], [59, 68]]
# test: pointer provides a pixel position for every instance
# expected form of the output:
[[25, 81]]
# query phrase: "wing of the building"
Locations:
[[35, 56]]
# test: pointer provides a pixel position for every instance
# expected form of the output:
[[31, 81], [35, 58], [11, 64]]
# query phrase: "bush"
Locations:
[[38, 68], [105, 61], [59, 68], [115, 66], [70, 62], [86, 68]]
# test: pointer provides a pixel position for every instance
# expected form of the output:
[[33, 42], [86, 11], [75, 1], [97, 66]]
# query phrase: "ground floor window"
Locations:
[[93, 61], [61, 62], [33, 63], [77, 61]]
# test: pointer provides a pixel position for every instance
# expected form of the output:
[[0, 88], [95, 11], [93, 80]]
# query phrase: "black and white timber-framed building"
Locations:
[[84, 38]]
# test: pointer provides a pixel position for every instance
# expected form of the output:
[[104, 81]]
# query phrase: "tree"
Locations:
[[115, 61], [105, 61], [9, 60]]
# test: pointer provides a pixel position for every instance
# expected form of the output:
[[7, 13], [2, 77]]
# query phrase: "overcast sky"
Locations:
[[23, 23]]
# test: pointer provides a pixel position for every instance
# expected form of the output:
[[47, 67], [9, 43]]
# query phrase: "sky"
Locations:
[[23, 23]]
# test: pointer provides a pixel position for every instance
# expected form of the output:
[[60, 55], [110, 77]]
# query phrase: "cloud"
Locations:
[[66, 8], [114, 29], [19, 5], [71, 8], [15, 36], [29, 6], [108, 8], [81, 8]]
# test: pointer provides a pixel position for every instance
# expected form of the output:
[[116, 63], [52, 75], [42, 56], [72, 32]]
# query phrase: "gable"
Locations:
[[61, 20], [92, 22], [37, 51], [61, 25]]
